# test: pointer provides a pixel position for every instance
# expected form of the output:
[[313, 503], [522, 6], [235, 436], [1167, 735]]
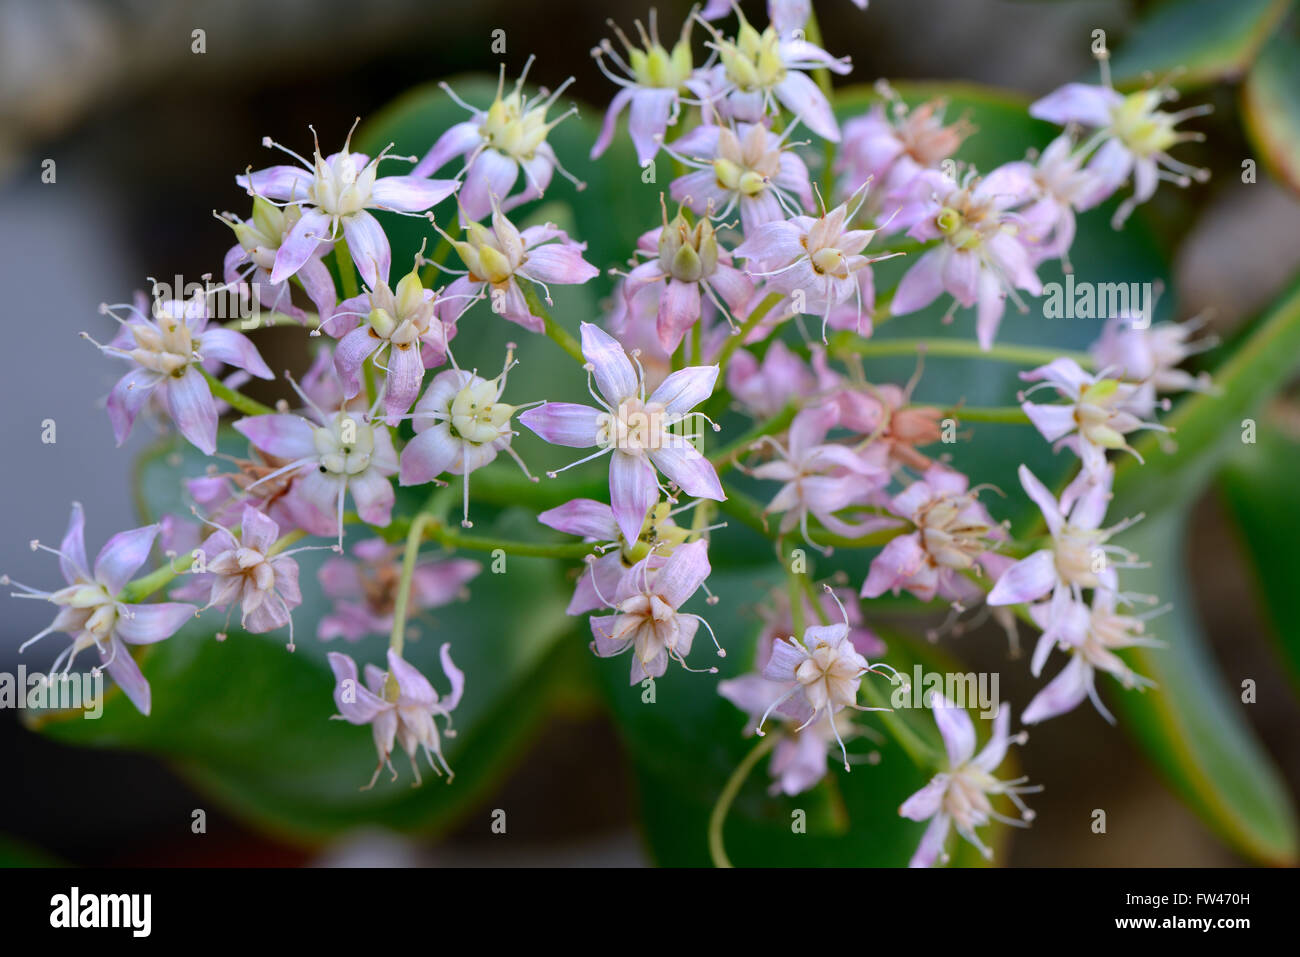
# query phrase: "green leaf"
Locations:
[[1258, 486], [1270, 107], [1205, 40], [249, 722], [1192, 725]]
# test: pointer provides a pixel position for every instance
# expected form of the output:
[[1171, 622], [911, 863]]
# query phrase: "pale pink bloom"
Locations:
[[167, 351], [647, 620], [335, 194], [1135, 137], [821, 478], [654, 86], [635, 323], [1152, 354], [1060, 187], [748, 167], [91, 611], [400, 706], [461, 425], [253, 258], [888, 148], [815, 261], [786, 16], [1091, 636], [981, 258], [330, 455], [960, 795], [765, 388], [401, 325], [364, 588], [633, 429], [594, 521], [498, 258], [759, 73], [692, 268], [498, 143], [953, 534], [1095, 418]]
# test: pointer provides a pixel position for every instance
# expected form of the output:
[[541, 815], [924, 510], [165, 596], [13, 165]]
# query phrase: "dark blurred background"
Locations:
[[147, 136]]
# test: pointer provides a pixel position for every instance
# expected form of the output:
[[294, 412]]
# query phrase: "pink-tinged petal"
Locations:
[[995, 750], [122, 555], [439, 583], [735, 288], [992, 305], [921, 285], [312, 229], [681, 576], [1027, 580], [610, 123], [961, 276], [752, 694], [191, 406], [925, 803], [72, 550], [1044, 499], [124, 670], [350, 355], [1109, 167], [1065, 374], [615, 377], [632, 492], [898, 561], [405, 376], [648, 120], [282, 435], [582, 516], [411, 194], [773, 244], [1087, 498], [565, 423], [147, 624], [1053, 421], [1063, 693], [784, 661], [559, 263], [804, 98], [693, 473], [457, 141], [699, 188], [1081, 103], [686, 388], [930, 850], [454, 675], [278, 182], [537, 177], [319, 285], [414, 687], [798, 763], [602, 631], [257, 530], [340, 578], [374, 497], [599, 579], [128, 397], [956, 729], [491, 174], [234, 349], [428, 455], [356, 703], [369, 247]]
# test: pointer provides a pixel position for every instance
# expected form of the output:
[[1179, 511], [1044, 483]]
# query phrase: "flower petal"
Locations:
[[192, 408], [632, 492], [565, 423], [122, 555], [615, 377]]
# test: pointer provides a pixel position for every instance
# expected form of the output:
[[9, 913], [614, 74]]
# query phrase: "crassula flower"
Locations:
[[655, 83], [1060, 186], [1092, 636], [633, 429], [748, 168], [400, 706], [167, 351], [364, 588], [1096, 417], [498, 143], [1134, 133], [460, 424], [647, 619], [758, 71], [1144, 354], [981, 259], [953, 534], [259, 239], [498, 258], [398, 324], [335, 194], [251, 572], [959, 796], [330, 455], [765, 387], [691, 264], [92, 611]]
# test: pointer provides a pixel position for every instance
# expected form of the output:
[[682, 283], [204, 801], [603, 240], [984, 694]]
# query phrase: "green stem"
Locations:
[[235, 399], [554, 331], [718, 817], [843, 344], [398, 638], [140, 589], [347, 269], [1010, 414]]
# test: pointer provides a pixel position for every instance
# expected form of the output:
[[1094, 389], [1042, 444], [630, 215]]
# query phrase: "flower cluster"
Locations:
[[706, 322]]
